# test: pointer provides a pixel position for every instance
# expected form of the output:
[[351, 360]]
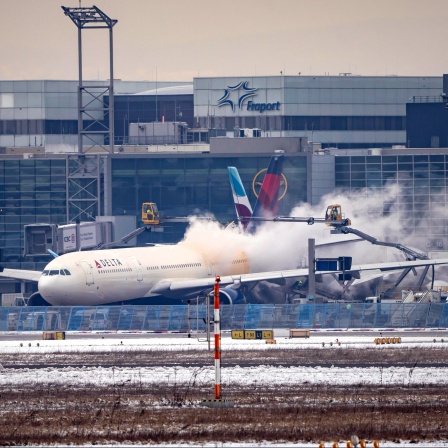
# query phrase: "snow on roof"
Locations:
[[172, 90]]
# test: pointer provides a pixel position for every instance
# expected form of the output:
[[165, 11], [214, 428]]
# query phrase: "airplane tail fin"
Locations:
[[240, 199], [267, 201]]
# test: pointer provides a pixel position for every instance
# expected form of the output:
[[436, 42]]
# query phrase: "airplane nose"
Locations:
[[44, 286], [54, 288]]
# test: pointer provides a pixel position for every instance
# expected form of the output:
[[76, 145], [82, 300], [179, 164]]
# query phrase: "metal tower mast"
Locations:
[[95, 125]]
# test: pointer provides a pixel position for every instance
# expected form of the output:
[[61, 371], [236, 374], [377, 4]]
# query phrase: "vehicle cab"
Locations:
[[150, 213], [334, 213]]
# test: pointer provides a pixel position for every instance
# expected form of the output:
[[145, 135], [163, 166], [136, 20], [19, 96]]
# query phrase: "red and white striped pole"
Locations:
[[217, 331]]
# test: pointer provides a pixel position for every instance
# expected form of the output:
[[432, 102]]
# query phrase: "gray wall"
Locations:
[[257, 145]]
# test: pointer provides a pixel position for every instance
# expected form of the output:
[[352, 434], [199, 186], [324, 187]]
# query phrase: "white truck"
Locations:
[[13, 299], [39, 321]]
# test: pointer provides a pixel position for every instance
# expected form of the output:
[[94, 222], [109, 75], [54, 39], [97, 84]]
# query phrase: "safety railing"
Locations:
[[160, 318]]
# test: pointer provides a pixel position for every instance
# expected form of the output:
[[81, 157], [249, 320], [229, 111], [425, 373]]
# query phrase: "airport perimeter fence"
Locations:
[[182, 318]]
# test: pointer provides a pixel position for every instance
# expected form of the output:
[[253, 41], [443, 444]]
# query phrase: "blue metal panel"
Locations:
[[233, 317], [125, 318], [4, 315], [238, 318], [164, 317], [305, 318], [226, 315], [432, 317], [318, 315], [327, 264], [138, 317], [151, 322], [330, 315], [253, 316], [444, 316], [75, 319], [178, 321], [356, 315], [369, 314], [286, 315]]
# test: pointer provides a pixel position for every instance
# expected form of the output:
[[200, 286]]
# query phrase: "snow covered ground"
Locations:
[[382, 444], [259, 375]]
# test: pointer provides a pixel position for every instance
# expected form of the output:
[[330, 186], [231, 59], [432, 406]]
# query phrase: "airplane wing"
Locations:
[[20, 274], [368, 277], [175, 287]]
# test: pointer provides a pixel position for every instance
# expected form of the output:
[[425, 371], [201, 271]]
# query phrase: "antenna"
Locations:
[[157, 118]]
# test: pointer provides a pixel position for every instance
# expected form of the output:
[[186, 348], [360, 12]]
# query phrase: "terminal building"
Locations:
[[174, 141]]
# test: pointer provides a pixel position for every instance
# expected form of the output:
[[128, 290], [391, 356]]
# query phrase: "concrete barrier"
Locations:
[[299, 333]]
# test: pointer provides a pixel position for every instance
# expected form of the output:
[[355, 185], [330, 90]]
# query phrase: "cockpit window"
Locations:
[[56, 272]]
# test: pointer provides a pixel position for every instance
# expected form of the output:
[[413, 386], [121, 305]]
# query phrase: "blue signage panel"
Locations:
[[326, 264], [236, 96]]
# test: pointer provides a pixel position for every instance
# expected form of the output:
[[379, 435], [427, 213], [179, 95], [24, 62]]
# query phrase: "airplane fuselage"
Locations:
[[105, 276]]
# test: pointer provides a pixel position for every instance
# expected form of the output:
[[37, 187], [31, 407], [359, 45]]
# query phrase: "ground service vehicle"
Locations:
[[150, 213], [334, 213], [39, 320]]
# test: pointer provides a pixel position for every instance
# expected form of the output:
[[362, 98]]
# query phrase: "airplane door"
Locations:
[[138, 266], [88, 271]]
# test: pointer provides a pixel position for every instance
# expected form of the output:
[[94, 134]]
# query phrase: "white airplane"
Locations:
[[173, 271]]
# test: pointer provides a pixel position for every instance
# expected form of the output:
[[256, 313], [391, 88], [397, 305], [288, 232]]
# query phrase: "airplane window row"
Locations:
[[56, 272], [188, 265], [109, 271]]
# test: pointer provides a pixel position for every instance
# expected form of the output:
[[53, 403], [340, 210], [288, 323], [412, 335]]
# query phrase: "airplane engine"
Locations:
[[232, 295], [37, 300]]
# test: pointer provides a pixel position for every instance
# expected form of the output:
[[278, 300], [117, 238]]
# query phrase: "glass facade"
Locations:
[[31, 191], [34, 191], [311, 123], [35, 113], [415, 184], [344, 123], [182, 186], [23, 127], [336, 111], [147, 109]]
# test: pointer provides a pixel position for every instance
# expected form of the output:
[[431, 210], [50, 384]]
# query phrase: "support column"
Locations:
[[217, 331], [311, 269]]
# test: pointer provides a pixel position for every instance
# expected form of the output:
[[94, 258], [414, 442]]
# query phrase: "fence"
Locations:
[[160, 318]]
